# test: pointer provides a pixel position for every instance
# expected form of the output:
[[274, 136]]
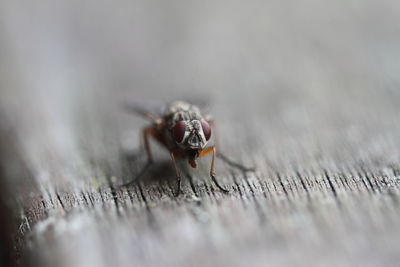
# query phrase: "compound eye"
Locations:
[[206, 129], [178, 132]]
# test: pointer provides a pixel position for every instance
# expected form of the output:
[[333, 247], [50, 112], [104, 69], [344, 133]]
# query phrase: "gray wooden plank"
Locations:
[[304, 91]]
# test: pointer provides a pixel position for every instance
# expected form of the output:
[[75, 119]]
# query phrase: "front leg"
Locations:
[[178, 174], [212, 169]]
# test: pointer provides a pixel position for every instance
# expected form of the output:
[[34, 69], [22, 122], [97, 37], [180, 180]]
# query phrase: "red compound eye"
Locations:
[[178, 132], [206, 129]]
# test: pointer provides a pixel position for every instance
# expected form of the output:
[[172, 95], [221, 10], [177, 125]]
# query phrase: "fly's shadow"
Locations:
[[150, 172], [137, 169]]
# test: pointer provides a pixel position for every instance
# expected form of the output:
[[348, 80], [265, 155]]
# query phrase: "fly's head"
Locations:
[[192, 136]]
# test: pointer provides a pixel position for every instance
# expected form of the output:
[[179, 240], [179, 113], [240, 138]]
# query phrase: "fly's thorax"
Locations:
[[179, 110]]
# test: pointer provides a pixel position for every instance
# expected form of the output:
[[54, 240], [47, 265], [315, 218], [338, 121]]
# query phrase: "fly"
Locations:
[[185, 133]]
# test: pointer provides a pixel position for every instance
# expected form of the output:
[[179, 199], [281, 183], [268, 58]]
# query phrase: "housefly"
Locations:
[[185, 133]]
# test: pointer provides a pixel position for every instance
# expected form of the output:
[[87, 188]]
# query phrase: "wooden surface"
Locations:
[[305, 91]]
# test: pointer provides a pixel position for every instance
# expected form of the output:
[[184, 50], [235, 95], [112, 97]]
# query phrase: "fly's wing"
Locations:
[[153, 110], [147, 110]]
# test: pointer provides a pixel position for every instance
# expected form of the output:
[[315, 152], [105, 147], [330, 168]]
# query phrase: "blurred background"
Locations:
[[292, 83], [57, 50], [283, 61]]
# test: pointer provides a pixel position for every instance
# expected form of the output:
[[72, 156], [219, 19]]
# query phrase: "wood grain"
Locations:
[[305, 92]]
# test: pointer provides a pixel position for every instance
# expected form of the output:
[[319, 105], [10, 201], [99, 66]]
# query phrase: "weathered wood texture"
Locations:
[[305, 91]]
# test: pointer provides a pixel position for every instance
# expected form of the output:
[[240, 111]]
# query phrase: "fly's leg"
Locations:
[[225, 158], [146, 132], [234, 164], [212, 169], [141, 173], [178, 175]]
